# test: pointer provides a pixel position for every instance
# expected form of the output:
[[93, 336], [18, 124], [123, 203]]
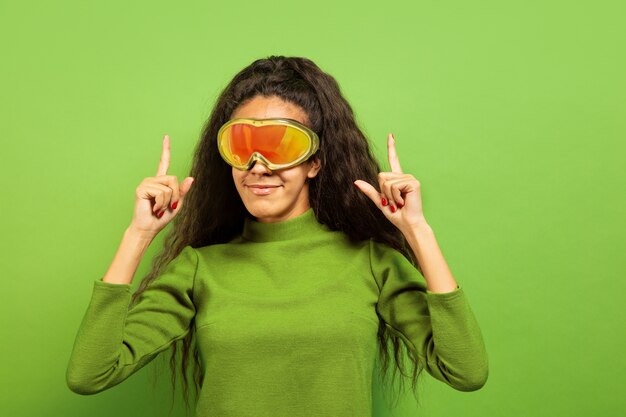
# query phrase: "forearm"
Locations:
[[128, 256], [438, 277], [456, 354]]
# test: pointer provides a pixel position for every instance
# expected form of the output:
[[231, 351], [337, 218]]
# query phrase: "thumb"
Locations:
[[367, 189], [185, 186]]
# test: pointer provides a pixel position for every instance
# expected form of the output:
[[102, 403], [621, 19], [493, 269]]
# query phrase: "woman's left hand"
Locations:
[[400, 197]]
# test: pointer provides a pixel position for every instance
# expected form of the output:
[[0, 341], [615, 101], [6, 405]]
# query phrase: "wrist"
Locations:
[[419, 228], [139, 235]]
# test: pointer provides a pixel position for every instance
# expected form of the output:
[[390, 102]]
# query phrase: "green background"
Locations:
[[510, 114]]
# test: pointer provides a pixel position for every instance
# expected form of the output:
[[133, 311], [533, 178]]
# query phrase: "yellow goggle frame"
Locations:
[[278, 143]]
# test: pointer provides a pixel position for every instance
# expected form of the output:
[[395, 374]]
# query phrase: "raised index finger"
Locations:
[[394, 162], [164, 163]]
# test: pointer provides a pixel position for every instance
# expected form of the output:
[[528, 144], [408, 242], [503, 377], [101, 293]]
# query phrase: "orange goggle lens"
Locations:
[[277, 143]]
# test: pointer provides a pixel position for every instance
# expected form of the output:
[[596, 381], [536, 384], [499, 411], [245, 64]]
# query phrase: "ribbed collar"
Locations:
[[301, 226]]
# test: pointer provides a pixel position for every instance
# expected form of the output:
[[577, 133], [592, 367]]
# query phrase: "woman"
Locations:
[[279, 276]]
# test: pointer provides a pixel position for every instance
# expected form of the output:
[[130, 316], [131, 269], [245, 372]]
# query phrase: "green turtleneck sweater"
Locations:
[[286, 323]]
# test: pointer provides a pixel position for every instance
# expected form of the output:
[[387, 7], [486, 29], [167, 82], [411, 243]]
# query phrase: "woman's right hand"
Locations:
[[158, 199]]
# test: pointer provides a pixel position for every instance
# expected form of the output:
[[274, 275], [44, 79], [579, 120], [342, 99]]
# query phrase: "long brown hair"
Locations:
[[214, 212]]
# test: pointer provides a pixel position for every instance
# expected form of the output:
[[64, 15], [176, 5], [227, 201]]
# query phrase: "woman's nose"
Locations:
[[259, 166]]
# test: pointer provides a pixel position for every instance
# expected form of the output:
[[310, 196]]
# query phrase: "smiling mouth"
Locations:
[[257, 190]]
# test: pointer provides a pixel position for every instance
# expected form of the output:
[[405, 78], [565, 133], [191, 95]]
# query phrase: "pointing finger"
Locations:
[[394, 162], [164, 163]]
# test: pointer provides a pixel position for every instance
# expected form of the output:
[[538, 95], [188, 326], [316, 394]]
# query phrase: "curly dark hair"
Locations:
[[345, 155]]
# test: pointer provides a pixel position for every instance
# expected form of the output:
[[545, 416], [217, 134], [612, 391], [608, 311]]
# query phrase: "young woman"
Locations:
[[291, 261]]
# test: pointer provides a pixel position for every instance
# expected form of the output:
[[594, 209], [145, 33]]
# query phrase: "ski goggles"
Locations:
[[277, 143]]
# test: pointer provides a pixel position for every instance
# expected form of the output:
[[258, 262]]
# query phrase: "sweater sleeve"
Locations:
[[440, 328], [114, 340]]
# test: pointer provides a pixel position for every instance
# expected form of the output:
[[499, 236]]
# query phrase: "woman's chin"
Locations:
[[263, 208]]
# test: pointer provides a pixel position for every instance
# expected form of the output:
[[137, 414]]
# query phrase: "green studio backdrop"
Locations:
[[510, 114]]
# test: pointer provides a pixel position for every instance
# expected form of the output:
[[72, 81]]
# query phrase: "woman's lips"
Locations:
[[262, 190]]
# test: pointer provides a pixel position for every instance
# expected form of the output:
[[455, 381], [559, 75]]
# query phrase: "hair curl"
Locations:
[[204, 221]]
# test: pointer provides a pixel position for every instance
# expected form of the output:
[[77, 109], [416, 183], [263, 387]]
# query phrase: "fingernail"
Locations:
[[174, 205], [384, 201], [400, 205], [161, 214], [393, 209]]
